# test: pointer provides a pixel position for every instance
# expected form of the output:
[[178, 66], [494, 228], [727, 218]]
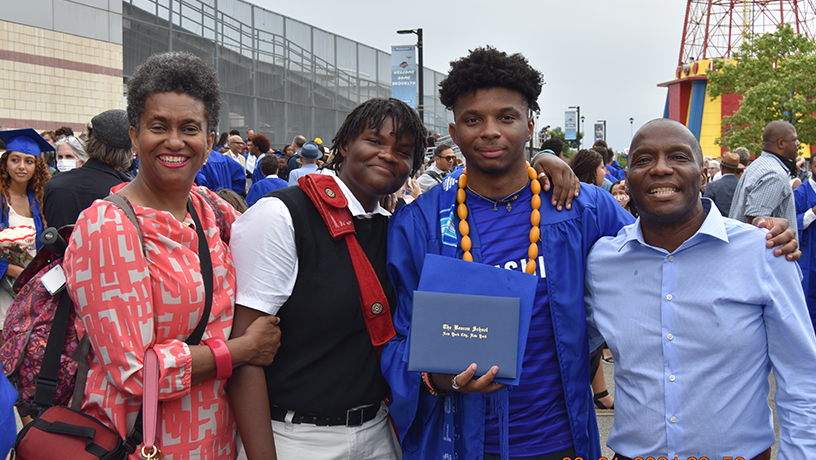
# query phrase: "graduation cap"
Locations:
[[26, 141]]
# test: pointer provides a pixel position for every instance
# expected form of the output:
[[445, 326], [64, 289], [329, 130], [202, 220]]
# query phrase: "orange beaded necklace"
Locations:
[[535, 218]]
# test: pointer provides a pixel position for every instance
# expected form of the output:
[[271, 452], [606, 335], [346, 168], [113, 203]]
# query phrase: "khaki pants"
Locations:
[[373, 440]]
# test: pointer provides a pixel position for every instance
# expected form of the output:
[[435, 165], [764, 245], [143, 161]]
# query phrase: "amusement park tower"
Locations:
[[714, 29]]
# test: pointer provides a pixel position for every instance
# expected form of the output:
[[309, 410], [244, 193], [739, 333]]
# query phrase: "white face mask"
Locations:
[[66, 165]]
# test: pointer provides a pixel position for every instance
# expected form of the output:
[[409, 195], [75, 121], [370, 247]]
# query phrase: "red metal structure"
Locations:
[[715, 28]]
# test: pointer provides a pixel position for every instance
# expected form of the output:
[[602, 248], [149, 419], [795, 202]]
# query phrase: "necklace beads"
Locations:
[[535, 218]]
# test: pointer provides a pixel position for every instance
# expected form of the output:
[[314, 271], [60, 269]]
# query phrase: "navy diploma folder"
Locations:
[[451, 331], [454, 276]]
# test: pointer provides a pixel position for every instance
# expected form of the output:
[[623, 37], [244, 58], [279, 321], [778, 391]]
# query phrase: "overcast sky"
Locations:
[[605, 56]]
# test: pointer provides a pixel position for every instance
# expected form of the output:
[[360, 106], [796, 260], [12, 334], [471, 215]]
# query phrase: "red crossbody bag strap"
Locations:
[[333, 207]]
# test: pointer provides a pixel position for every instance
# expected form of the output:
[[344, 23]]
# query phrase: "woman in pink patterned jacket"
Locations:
[[131, 298]]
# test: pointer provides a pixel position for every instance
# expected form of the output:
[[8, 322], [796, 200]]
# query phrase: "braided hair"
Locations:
[[371, 114]]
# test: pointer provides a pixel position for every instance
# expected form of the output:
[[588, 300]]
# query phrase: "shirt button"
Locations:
[[671, 258], [670, 336], [669, 297], [672, 378], [673, 419]]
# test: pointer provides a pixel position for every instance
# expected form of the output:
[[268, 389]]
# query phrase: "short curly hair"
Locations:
[[486, 68], [177, 72], [584, 164], [262, 142], [371, 114]]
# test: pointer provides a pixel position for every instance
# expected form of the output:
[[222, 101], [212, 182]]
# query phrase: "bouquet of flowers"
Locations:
[[17, 245]]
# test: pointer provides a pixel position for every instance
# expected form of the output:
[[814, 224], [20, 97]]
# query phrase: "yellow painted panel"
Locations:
[[710, 127]]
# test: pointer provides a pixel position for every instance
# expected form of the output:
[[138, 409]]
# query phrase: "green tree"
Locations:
[[570, 147], [620, 157], [774, 72]]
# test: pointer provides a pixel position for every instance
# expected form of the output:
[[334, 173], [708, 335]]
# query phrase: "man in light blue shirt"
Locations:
[[697, 312], [309, 154]]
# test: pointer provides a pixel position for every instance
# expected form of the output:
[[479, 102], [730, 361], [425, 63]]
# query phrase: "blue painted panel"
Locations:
[[696, 104]]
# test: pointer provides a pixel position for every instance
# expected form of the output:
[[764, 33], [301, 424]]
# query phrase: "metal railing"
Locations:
[[279, 76]]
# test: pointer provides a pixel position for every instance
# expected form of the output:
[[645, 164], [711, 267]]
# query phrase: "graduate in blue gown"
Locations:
[[416, 230], [221, 171], [551, 411], [805, 198], [269, 165]]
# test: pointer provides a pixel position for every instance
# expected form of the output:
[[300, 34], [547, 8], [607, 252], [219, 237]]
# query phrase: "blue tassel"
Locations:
[[499, 402]]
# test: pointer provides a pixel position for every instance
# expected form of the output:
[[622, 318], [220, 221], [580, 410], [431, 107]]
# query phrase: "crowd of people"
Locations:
[[304, 280]]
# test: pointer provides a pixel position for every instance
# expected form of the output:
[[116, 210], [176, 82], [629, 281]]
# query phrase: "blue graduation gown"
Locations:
[[805, 198], [615, 172], [428, 225], [8, 424], [259, 189], [221, 171], [257, 175], [38, 222]]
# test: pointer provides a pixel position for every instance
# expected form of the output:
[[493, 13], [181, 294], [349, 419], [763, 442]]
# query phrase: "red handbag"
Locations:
[[60, 430]]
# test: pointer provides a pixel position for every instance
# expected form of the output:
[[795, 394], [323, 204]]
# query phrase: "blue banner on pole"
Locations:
[[600, 135], [570, 125], [404, 74]]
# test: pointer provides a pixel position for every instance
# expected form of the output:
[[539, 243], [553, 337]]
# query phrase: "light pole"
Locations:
[[631, 128], [420, 80], [582, 137]]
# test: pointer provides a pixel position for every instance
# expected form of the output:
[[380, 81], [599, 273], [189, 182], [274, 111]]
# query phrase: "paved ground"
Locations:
[[605, 418]]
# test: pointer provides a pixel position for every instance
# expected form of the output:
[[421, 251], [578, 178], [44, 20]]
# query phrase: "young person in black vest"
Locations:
[[324, 391]]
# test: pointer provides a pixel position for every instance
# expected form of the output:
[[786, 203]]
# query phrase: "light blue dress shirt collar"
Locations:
[[712, 226]]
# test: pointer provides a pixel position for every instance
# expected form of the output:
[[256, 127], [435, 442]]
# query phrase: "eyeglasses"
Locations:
[[450, 158], [72, 140]]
